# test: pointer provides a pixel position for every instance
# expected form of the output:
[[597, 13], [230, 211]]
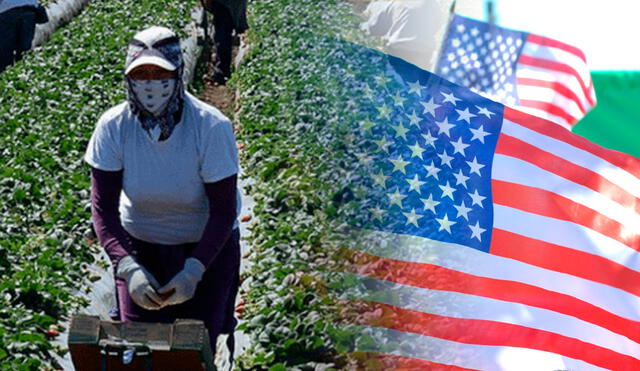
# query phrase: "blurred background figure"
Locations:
[[18, 19], [228, 16]]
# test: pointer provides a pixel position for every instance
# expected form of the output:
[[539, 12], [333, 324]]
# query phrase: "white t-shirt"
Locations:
[[163, 199]]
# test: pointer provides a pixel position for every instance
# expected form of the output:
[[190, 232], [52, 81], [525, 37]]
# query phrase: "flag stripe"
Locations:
[[555, 257], [378, 361], [542, 202], [545, 41], [549, 107], [439, 278], [560, 56], [547, 116], [514, 147], [554, 87], [478, 263], [482, 357], [491, 333], [573, 235], [459, 305], [564, 80], [599, 155], [526, 60]]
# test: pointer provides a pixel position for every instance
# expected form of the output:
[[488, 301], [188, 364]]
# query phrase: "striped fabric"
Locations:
[[485, 238], [536, 74]]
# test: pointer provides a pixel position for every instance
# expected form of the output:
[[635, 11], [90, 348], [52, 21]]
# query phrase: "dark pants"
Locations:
[[223, 23], [214, 299], [17, 27]]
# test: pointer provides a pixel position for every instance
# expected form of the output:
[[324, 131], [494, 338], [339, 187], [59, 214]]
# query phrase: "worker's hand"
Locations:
[[140, 283], [182, 287]]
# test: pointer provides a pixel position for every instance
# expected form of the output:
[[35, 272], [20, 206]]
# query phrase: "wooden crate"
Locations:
[[97, 345]]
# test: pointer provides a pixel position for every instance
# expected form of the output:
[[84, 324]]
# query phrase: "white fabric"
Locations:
[[10, 4], [163, 199], [154, 94], [410, 29], [182, 287]]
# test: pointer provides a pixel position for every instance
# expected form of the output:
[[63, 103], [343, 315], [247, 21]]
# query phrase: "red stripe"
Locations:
[[550, 108], [435, 277], [528, 60], [545, 41], [556, 86], [550, 129], [376, 361], [564, 260], [514, 147], [546, 203], [483, 332]]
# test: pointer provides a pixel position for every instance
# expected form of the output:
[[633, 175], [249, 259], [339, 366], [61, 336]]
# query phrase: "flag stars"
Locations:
[[476, 199], [430, 107], [384, 112], [398, 100], [381, 80], [479, 134], [444, 127], [382, 144], [445, 224], [429, 139], [432, 170], [459, 147], [396, 198], [367, 125], [380, 179], [415, 183], [461, 179], [465, 115], [476, 231], [400, 131], [377, 213], [475, 166], [463, 210], [412, 217], [415, 87], [429, 203], [450, 98], [484, 111], [445, 159], [399, 165], [447, 191], [416, 150], [414, 119]]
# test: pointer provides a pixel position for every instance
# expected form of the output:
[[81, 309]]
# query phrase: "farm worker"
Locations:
[[228, 16], [18, 19], [163, 193]]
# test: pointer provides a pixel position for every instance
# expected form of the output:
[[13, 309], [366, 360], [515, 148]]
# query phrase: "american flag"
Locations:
[[536, 74], [482, 237]]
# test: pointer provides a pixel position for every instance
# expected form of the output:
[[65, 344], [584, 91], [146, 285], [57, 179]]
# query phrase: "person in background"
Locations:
[[164, 194], [228, 16], [18, 19]]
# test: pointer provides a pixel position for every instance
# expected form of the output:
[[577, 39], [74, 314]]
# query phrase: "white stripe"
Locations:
[[563, 233], [614, 174], [547, 95], [546, 115], [458, 305], [481, 357], [560, 56], [475, 262], [514, 170], [570, 81]]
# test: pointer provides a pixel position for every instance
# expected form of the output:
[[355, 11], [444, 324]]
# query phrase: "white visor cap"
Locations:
[[139, 56]]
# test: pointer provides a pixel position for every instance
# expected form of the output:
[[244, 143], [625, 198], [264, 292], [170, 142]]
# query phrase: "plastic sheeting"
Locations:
[[60, 12]]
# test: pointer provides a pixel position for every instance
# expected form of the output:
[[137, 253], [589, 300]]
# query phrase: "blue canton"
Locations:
[[427, 149], [482, 57]]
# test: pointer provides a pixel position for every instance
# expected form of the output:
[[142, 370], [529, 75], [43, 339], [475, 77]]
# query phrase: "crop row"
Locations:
[[49, 104], [294, 112]]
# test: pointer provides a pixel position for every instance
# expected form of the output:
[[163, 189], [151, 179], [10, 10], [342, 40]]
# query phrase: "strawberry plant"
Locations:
[[49, 105]]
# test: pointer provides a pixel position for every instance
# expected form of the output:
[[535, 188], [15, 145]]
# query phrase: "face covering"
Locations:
[[154, 95]]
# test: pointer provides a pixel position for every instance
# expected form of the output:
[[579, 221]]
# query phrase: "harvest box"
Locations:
[[116, 346]]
